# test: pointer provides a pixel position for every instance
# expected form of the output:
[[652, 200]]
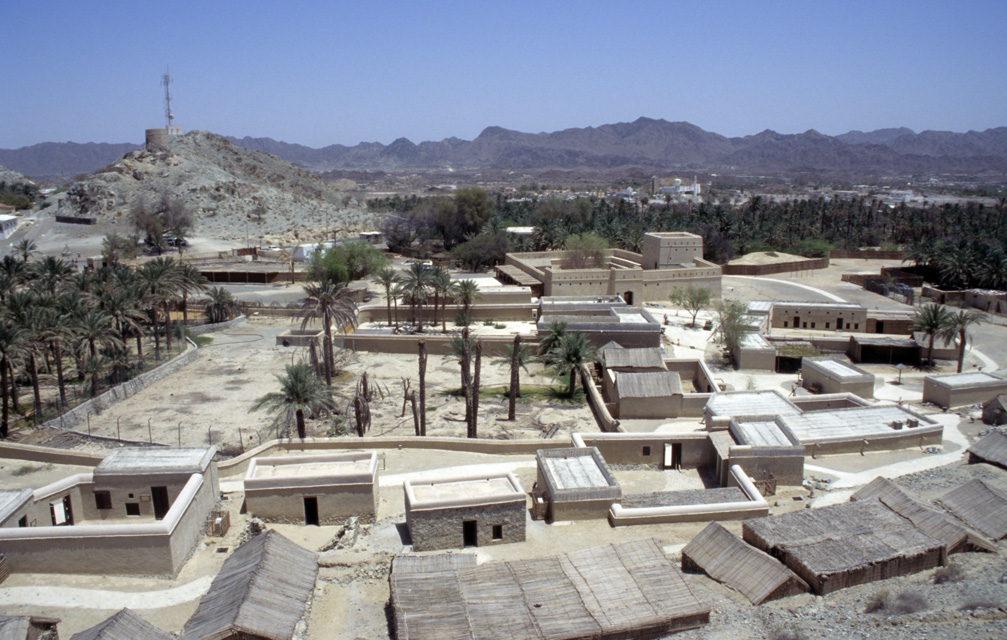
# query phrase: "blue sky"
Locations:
[[319, 73]]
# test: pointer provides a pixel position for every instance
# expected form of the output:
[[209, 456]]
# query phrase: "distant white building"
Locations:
[[8, 224]]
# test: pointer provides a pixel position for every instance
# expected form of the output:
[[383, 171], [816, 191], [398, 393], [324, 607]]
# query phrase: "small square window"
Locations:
[[646, 451], [812, 325], [826, 325], [103, 500], [132, 508], [498, 532], [23, 522]]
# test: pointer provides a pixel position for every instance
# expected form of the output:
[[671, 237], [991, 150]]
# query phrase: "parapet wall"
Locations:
[[437, 343]]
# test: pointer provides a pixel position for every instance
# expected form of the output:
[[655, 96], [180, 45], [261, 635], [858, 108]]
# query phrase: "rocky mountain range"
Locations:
[[645, 142], [220, 184]]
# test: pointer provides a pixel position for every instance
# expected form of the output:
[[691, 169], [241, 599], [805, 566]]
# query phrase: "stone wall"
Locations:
[[442, 528], [216, 326], [335, 503]]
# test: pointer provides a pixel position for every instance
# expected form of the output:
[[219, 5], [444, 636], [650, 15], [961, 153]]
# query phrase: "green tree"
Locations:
[[160, 281], [484, 250], [95, 330], [387, 278], [466, 293], [332, 302], [573, 350], [733, 325], [345, 262], [693, 300], [11, 348], [932, 320], [584, 251], [220, 305], [416, 287], [300, 392], [190, 281], [551, 340], [443, 287], [115, 248], [958, 326]]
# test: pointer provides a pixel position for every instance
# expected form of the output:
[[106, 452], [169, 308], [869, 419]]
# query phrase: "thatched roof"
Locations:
[[978, 506], [619, 590], [728, 559], [262, 590], [124, 625], [845, 544], [645, 358], [14, 628], [992, 448], [651, 384], [935, 523]]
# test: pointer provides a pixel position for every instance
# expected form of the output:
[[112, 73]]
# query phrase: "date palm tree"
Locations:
[[959, 324], [300, 392], [332, 302], [190, 281], [518, 356], [573, 351], [416, 286], [95, 330], [160, 281], [932, 320], [551, 340], [387, 278], [440, 282], [11, 348], [220, 305], [466, 292]]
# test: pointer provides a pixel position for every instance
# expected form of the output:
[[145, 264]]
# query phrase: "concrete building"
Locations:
[[960, 389], [755, 352], [602, 320], [652, 394], [575, 484], [8, 224], [465, 511], [313, 490], [835, 316], [140, 512], [670, 261], [828, 375]]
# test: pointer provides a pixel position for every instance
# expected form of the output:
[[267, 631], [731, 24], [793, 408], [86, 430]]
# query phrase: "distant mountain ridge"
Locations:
[[645, 142]]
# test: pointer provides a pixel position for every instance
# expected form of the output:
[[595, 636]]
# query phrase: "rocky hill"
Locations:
[[9, 176], [220, 184]]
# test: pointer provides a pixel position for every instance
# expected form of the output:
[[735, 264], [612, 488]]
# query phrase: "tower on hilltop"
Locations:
[[169, 117]]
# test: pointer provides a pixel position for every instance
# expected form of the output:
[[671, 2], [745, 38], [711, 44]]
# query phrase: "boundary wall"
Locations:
[[219, 326], [78, 415], [754, 507], [779, 267], [437, 343], [867, 255], [518, 311]]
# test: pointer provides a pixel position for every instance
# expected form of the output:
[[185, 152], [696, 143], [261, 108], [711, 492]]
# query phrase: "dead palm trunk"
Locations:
[[157, 336], [423, 388], [14, 396], [4, 421], [57, 355], [302, 432], [474, 391], [167, 327], [327, 349], [515, 378], [466, 376], [37, 396], [94, 372]]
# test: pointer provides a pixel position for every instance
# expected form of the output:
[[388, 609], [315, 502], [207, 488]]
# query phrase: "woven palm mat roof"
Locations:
[[124, 625], [978, 506], [931, 520], [992, 448], [14, 628], [728, 559], [603, 592], [262, 590], [840, 537]]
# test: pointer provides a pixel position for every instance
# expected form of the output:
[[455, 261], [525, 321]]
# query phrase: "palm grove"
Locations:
[[81, 332]]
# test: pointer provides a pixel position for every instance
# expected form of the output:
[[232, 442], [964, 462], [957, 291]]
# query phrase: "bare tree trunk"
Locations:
[[416, 414], [157, 335], [313, 357], [5, 420], [33, 365], [515, 379], [302, 431], [474, 426], [423, 387], [14, 395], [58, 357], [167, 327], [466, 376]]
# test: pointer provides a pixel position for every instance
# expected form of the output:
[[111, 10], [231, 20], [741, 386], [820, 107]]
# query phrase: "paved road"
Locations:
[[42, 226]]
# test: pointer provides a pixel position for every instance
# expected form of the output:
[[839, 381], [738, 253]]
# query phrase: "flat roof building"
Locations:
[[960, 389], [828, 375], [465, 511], [575, 483], [313, 490]]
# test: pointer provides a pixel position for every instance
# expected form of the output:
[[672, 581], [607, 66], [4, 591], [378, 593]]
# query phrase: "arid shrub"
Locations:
[[787, 634], [972, 605], [878, 602], [950, 573], [901, 604]]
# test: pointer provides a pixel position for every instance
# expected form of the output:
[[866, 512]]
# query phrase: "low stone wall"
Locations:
[[516, 312], [14, 451], [648, 448], [867, 255], [239, 464], [78, 415], [216, 326], [597, 403], [779, 267], [442, 528], [437, 343]]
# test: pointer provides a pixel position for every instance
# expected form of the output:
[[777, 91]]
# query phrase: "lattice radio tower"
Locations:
[[168, 115]]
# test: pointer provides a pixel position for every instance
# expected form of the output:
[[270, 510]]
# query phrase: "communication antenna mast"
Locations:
[[168, 115]]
